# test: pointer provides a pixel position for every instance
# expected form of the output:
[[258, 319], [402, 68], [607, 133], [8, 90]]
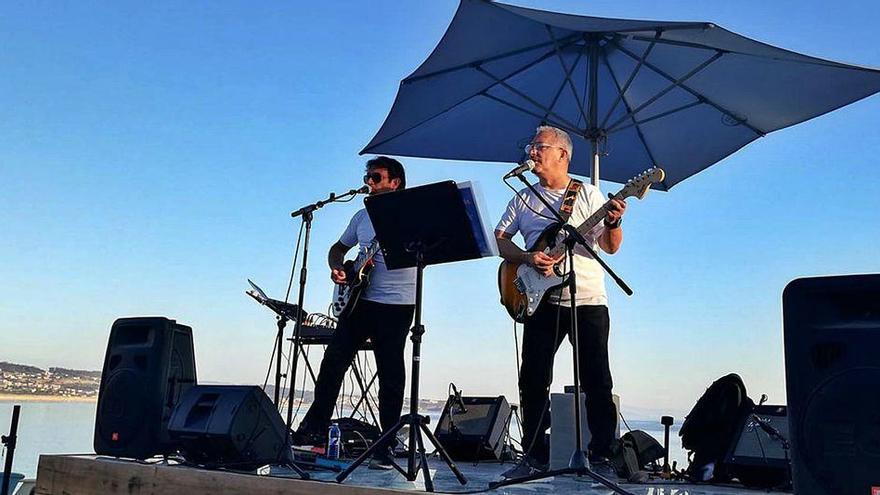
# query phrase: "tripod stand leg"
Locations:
[[299, 471], [444, 455], [558, 472], [383, 441], [423, 464]]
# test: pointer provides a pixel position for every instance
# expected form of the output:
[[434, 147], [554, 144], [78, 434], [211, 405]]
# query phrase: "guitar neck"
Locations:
[[586, 226]]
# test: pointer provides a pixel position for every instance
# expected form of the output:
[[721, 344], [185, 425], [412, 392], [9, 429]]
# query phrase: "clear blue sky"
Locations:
[[150, 154]]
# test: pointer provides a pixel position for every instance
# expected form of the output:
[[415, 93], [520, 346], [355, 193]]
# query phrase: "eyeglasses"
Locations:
[[376, 177], [539, 147]]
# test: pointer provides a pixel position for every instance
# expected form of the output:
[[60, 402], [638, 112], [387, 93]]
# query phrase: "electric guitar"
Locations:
[[357, 277], [523, 287]]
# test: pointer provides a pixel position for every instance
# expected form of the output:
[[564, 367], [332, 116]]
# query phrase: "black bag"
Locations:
[[633, 453], [646, 447], [709, 429]]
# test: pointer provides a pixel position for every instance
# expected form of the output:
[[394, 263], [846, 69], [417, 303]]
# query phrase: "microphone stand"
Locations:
[[579, 463], [307, 213]]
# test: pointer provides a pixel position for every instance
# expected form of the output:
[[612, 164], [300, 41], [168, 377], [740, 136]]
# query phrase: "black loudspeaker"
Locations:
[[149, 363], [229, 425], [759, 456], [473, 429], [832, 374]]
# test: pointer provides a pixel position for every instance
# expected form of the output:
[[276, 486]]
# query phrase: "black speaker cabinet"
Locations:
[[759, 455], [832, 374], [229, 425], [149, 363], [475, 431]]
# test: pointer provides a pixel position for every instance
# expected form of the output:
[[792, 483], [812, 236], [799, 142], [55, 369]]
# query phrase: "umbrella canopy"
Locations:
[[678, 95]]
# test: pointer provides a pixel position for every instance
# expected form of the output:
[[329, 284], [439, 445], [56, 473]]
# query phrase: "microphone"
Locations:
[[312, 207], [525, 166]]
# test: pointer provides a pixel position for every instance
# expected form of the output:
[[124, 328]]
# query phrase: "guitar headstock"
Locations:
[[638, 186]]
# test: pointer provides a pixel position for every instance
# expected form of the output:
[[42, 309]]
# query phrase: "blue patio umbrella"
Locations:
[[679, 95]]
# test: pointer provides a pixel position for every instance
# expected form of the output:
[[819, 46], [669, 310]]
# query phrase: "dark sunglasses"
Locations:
[[375, 176]]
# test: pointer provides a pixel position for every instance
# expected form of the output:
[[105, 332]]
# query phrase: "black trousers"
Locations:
[[387, 326], [540, 343]]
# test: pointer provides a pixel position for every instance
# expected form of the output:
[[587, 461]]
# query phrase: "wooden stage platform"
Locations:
[[97, 475]]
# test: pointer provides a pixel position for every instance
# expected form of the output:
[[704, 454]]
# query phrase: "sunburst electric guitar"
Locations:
[[523, 288], [357, 276]]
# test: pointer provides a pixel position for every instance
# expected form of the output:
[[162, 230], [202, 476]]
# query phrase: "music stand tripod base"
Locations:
[[417, 227]]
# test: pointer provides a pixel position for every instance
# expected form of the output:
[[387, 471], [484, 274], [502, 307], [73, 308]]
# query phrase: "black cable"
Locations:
[[526, 203], [302, 390], [271, 364], [619, 413], [295, 258], [516, 345], [545, 407]]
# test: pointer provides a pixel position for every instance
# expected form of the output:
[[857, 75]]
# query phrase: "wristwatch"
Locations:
[[614, 225]]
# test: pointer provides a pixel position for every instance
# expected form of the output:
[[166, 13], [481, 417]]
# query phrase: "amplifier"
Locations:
[[476, 431], [759, 455]]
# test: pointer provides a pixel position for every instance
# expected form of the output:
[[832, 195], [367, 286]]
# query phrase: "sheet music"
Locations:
[[475, 205]]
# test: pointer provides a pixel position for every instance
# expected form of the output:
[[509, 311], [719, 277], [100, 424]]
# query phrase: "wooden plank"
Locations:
[[92, 475]]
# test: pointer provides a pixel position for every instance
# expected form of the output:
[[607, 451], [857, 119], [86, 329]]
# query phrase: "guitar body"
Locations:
[[357, 274], [522, 287]]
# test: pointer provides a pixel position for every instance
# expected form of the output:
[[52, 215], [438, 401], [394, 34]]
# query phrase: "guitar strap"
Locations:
[[567, 206]]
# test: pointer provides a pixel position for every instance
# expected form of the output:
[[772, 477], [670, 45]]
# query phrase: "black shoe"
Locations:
[[525, 467], [381, 461], [604, 468], [305, 437]]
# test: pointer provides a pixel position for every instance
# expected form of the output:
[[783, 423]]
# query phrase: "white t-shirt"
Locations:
[[519, 218], [386, 286]]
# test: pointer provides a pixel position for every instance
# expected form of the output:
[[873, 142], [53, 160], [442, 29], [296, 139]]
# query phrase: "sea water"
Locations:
[[48, 428], [68, 428]]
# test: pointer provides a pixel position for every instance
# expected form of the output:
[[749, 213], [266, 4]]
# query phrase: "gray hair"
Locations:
[[561, 136]]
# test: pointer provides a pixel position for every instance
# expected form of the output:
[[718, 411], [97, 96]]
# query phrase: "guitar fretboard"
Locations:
[[586, 226]]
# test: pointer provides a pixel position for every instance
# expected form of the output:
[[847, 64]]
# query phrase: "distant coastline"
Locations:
[[7, 397]]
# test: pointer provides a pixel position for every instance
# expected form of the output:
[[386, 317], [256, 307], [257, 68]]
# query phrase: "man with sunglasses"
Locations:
[[544, 331], [383, 314]]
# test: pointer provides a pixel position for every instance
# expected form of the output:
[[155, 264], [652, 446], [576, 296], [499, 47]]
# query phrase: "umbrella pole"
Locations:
[[594, 110], [594, 175]]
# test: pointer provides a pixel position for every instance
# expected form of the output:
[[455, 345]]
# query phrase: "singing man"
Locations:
[[551, 150], [383, 314]]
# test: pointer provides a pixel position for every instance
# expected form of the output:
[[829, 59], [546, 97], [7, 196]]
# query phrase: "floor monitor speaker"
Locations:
[[232, 426], [474, 428]]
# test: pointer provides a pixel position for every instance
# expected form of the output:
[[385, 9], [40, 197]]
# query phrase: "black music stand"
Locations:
[[417, 227], [284, 311]]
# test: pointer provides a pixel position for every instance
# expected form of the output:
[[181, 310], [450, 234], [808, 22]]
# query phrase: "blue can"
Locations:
[[334, 439]]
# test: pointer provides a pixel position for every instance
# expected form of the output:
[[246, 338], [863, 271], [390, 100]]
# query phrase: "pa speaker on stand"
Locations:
[[832, 375], [148, 365]]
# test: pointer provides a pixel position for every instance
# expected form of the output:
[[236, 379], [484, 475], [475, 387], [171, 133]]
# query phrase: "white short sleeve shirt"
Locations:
[[386, 286], [519, 218]]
